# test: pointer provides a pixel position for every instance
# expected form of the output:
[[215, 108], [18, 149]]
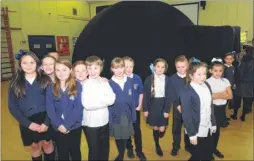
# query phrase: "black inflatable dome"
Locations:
[[141, 30]]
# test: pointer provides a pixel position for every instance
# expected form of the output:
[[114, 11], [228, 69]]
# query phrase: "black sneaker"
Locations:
[[228, 119], [159, 152], [141, 156], [218, 154], [174, 152], [225, 124], [130, 154]]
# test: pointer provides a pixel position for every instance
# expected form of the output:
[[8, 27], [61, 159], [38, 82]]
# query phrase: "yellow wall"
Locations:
[[40, 17], [235, 13]]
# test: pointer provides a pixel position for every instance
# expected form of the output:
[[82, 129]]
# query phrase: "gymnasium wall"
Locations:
[[235, 13], [54, 17], [39, 17]]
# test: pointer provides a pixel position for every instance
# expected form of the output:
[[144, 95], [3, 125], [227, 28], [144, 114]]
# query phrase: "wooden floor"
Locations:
[[236, 141]]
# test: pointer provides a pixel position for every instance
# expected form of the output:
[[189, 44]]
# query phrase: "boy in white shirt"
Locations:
[[97, 95]]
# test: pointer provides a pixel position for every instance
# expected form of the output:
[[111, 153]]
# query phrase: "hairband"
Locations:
[[195, 60], [217, 60], [152, 68], [20, 54]]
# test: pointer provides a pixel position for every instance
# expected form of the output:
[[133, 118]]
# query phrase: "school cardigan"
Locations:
[[229, 73], [148, 95], [33, 102], [124, 102], [190, 103], [138, 87], [176, 83], [65, 110]]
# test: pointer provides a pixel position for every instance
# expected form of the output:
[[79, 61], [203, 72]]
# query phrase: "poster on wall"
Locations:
[[74, 40], [63, 45]]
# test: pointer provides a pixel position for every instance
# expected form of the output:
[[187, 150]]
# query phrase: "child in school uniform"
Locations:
[[176, 82], [197, 111], [221, 89], [54, 54], [138, 92], [244, 86], [156, 105], [48, 66], [65, 110], [97, 95], [80, 71], [27, 104], [122, 114]]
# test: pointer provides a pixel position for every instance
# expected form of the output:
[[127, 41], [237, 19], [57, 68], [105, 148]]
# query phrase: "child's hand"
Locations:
[[179, 108], [194, 141], [214, 128], [166, 115], [138, 108], [62, 129], [34, 127], [43, 128], [146, 113], [104, 79]]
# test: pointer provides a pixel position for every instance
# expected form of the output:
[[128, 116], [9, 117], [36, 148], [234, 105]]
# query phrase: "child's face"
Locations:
[[118, 71], [62, 72], [159, 68], [28, 64], [199, 76], [80, 72], [217, 71], [229, 59], [181, 67], [128, 67], [48, 65], [54, 54], [94, 71]]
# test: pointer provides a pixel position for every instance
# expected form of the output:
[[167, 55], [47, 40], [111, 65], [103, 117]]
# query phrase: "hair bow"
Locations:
[[152, 68], [217, 59], [195, 60], [20, 54]]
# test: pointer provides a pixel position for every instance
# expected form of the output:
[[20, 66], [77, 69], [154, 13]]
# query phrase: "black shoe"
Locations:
[[219, 154], [242, 118], [228, 119], [130, 154], [162, 134], [213, 159], [141, 156], [174, 152], [159, 152], [225, 124], [233, 117]]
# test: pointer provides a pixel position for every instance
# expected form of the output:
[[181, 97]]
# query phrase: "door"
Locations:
[[41, 45]]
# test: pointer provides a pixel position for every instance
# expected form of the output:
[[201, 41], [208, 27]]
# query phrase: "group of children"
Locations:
[[55, 100]]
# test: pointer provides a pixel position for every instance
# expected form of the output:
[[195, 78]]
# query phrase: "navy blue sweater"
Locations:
[[175, 85], [124, 102], [138, 88], [190, 103], [229, 74], [33, 102], [65, 110]]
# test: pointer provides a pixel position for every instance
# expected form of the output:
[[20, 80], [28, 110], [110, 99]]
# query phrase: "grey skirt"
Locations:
[[244, 90], [123, 130]]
